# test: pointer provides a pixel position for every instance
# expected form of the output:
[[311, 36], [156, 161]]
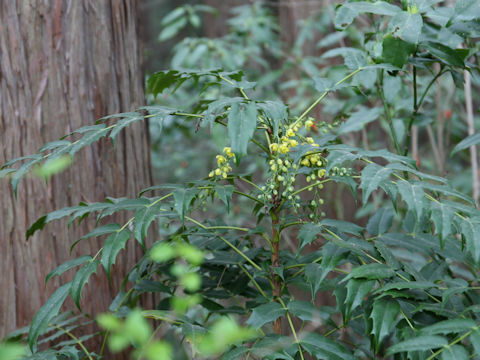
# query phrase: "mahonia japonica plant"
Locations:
[[403, 284]]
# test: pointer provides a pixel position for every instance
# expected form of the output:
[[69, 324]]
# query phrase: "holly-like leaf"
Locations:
[[225, 193], [442, 217], [413, 195], [446, 54], [275, 111], [81, 278], [455, 352], [418, 343], [395, 51], [471, 140], [470, 230], [95, 134], [308, 232], [451, 326], [359, 119], [215, 108], [372, 176], [346, 13], [183, 198], [371, 272], [324, 348], [380, 222], [242, 121], [265, 313], [383, 315], [407, 26], [112, 246], [67, 266], [102, 230], [46, 313], [342, 226], [356, 292], [304, 310], [142, 221]]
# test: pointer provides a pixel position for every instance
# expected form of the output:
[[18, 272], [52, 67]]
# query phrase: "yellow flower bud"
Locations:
[[290, 133], [274, 147], [293, 143], [218, 172], [283, 149], [310, 140]]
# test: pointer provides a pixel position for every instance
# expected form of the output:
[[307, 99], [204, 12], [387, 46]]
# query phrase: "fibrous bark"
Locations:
[[64, 64]]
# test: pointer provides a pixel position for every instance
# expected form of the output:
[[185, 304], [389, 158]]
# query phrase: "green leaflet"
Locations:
[[112, 246], [413, 195], [357, 290], [470, 230], [81, 278], [383, 315], [215, 108], [275, 111], [102, 230], [242, 121], [380, 222], [89, 138], [70, 264], [442, 217], [265, 313], [308, 232], [345, 14], [370, 271], [406, 26], [372, 176], [46, 313], [24, 169], [40, 223], [471, 140], [455, 352], [324, 348], [396, 51], [143, 219], [183, 199], [225, 193], [342, 226], [304, 310], [449, 327], [418, 343], [359, 119]]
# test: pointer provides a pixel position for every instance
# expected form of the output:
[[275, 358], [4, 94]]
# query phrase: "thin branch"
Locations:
[[471, 131]]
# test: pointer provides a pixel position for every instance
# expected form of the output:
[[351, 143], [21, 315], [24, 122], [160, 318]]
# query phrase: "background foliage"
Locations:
[[330, 216]]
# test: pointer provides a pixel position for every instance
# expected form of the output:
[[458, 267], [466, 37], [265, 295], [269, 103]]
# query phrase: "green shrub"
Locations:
[[404, 282]]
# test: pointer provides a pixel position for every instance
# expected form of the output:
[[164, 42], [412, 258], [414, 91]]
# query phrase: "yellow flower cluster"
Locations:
[[286, 142], [223, 162]]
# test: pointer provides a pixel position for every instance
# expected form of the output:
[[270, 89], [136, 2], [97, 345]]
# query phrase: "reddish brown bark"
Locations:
[[63, 64]]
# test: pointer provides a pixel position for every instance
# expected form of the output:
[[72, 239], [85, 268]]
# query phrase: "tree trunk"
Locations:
[[64, 64]]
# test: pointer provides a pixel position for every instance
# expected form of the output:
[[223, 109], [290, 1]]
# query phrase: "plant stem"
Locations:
[[321, 97], [237, 250], [275, 261], [471, 131], [388, 115], [77, 340], [293, 329], [253, 281]]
